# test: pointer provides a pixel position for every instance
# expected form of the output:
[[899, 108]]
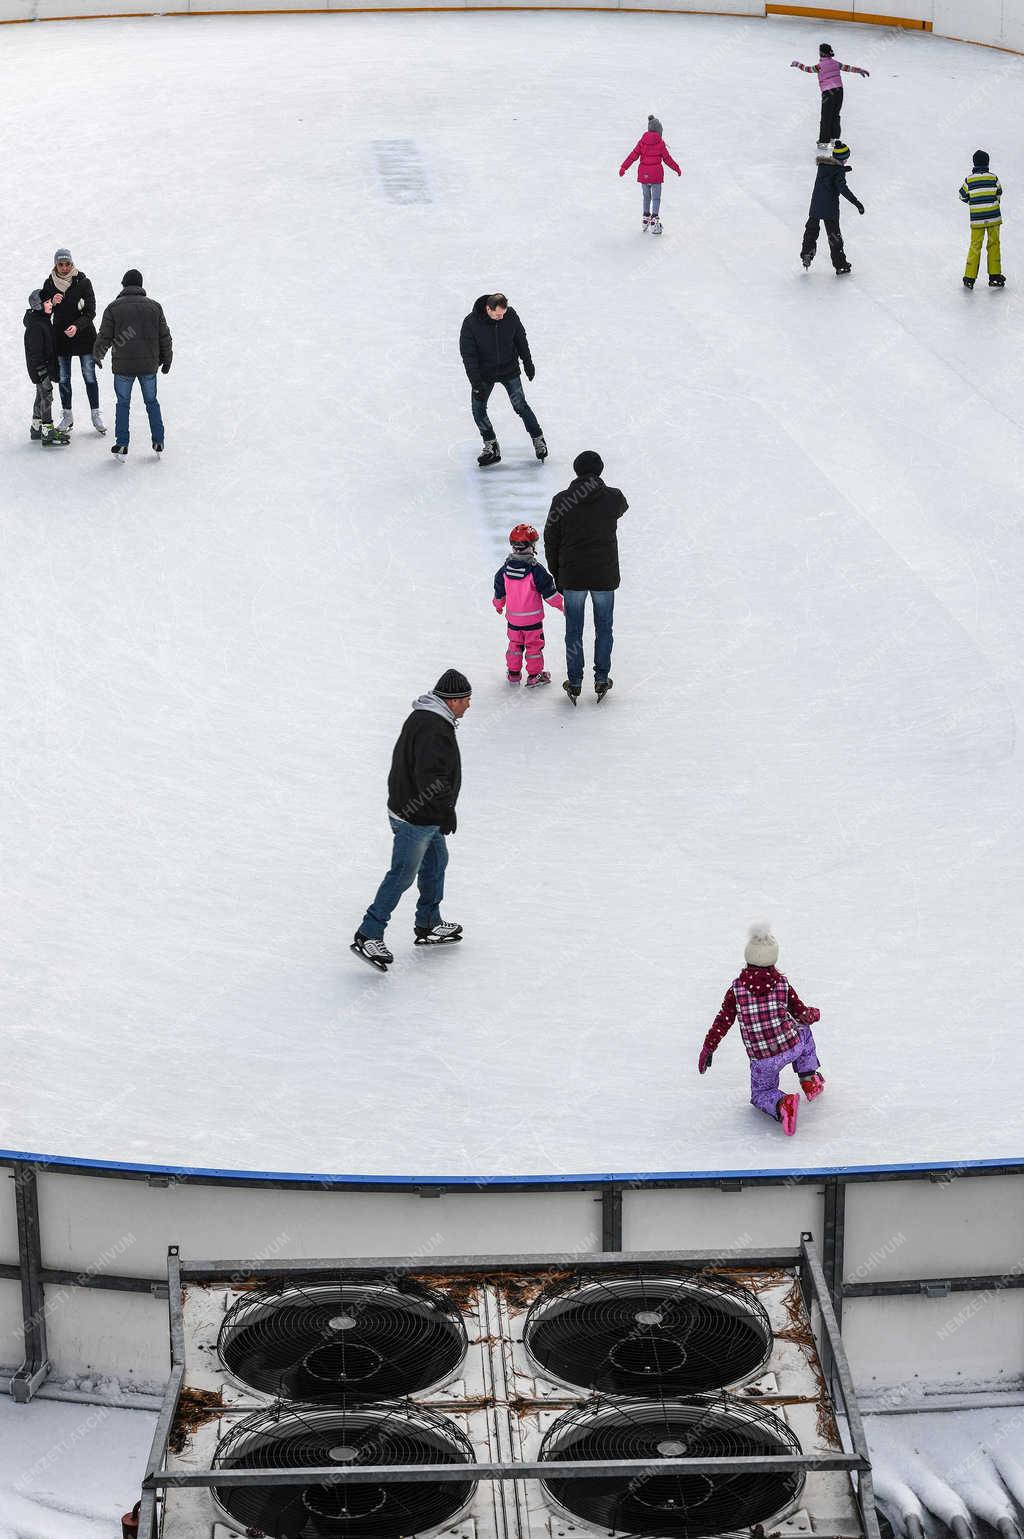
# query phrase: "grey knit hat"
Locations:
[[35, 299], [453, 685], [762, 949], [653, 124], [62, 254]]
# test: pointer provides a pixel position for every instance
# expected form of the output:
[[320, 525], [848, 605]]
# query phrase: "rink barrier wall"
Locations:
[[924, 1263]]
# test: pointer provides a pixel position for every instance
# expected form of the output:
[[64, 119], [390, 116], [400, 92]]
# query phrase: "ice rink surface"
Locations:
[[206, 660]]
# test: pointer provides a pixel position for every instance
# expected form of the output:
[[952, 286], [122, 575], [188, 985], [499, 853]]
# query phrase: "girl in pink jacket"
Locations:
[[652, 152], [521, 585], [830, 78]]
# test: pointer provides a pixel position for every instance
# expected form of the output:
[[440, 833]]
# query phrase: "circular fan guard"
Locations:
[[685, 1506], [641, 1334], [298, 1436], [341, 1340]]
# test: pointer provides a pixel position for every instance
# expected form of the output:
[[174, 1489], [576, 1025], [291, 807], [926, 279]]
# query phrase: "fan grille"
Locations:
[[314, 1436], [341, 1340], [687, 1506], [641, 1334]]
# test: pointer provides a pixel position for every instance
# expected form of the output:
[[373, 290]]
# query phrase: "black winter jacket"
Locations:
[[426, 769], [40, 352], [829, 187], [491, 350], [77, 308], [135, 327], [580, 537]]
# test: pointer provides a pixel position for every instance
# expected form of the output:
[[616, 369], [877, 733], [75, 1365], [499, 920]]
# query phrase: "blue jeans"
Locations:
[[603, 600], [652, 197], [123, 390], [417, 852], [92, 390], [520, 405]]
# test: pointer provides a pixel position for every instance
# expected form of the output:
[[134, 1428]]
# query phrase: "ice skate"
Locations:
[[601, 688], [52, 437], [67, 421], [843, 269], [540, 448], [538, 678], [787, 1109], [120, 452], [158, 448], [655, 225], [573, 691], [373, 951], [806, 260], [996, 280], [440, 934], [491, 453], [813, 1085], [98, 422], [968, 283], [514, 678], [35, 432], [647, 223]]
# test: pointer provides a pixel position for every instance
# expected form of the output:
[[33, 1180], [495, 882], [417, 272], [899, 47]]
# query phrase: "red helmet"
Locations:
[[523, 534]]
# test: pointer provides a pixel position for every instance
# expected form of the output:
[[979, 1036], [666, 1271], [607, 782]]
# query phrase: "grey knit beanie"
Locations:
[[453, 685], [762, 949], [35, 299], [653, 124], [62, 254]]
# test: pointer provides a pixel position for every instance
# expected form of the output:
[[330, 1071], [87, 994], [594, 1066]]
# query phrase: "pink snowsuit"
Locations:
[[520, 588], [651, 150]]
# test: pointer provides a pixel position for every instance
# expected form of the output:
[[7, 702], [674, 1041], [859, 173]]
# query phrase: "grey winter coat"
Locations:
[[134, 326]]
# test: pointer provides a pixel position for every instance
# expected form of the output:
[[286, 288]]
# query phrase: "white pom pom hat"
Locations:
[[762, 948]]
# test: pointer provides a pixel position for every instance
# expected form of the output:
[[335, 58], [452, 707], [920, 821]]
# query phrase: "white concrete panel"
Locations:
[[119, 1335], [705, 1218], [901, 1229], [12, 1341], [907, 10], [1013, 24], [964, 1340], [979, 20], [125, 1227]]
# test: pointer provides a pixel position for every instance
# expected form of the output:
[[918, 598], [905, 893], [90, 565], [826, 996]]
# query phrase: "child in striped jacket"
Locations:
[[829, 71], [776, 1029], [981, 191], [521, 585]]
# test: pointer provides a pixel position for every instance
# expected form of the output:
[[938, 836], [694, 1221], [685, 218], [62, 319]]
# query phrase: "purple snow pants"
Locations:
[[764, 1072]]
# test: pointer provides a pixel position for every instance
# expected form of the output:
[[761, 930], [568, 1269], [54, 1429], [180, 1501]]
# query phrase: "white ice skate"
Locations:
[[66, 422], [655, 225], [98, 422]]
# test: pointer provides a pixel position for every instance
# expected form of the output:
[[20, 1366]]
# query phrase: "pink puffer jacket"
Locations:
[[651, 150]]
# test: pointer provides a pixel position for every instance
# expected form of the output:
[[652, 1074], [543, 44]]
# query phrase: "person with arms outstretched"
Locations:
[[652, 153], [829, 72]]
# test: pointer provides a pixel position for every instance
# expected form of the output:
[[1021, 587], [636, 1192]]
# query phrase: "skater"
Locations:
[[521, 585], [775, 1027], [423, 788], [981, 191], [652, 152], [582, 551], [829, 187], [41, 362], [134, 326], [828, 70], [74, 330], [492, 343]]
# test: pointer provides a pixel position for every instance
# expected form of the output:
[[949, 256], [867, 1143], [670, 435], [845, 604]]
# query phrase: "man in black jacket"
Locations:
[[41, 362], [492, 342], [829, 187], [582, 551], [135, 327], [423, 787]]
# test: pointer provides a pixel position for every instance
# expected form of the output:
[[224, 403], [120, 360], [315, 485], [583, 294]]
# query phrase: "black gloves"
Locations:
[[529, 370], [450, 823], [97, 362], [165, 368], [860, 208]]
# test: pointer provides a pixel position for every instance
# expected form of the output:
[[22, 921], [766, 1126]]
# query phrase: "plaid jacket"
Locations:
[[770, 1011]]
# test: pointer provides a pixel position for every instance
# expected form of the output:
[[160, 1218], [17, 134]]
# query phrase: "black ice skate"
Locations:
[[968, 283], [35, 432], [158, 448], [440, 934], [491, 454], [806, 260], [540, 448], [843, 269], [996, 280], [543, 677], [121, 452], [601, 688], [573, 691], [52, 437], [373, 951]]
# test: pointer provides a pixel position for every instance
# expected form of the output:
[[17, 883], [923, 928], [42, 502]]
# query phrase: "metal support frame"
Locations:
[[934, 1287], [833, 1243], [611, 1217], [36, 1366]]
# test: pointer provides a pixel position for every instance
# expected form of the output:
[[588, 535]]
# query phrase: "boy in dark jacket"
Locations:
[[492, 342], [582, 550], [423, 787], [829, 187], [43, 371]]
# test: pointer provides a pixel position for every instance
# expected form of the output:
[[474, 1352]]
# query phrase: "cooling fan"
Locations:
[[316, 1436], [341, 1340], [686, 1506], [640, 1333]]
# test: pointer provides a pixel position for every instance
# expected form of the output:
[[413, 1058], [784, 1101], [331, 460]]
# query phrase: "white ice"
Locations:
[[206, 660]]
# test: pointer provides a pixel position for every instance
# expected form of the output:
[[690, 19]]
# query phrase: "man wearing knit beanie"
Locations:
[[134, 326], [776, 1029], [423, 788], [581, 547]]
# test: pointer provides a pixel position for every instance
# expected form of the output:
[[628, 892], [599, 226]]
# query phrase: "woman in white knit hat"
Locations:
[[776, 1029]]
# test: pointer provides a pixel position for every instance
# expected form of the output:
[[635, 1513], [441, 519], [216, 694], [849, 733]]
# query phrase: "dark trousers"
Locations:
[[835, 240], [831, 107], [520, 405]]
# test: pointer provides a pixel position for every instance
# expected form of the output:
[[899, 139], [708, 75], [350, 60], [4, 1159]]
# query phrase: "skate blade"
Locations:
[[445, 940], [381, 967]]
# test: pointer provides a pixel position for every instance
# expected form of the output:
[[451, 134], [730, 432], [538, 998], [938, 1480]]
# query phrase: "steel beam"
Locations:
[[934, 1287], [695, 1261], [611, 1218], [36, 1366]]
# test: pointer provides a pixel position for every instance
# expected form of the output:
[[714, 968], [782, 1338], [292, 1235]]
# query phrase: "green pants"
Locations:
[[978, 233]]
